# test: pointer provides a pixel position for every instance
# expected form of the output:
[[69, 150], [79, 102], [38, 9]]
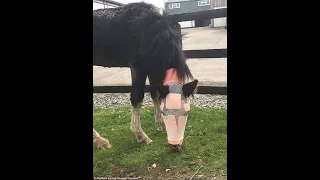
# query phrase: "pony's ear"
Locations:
[[190, 88], [163, 91]]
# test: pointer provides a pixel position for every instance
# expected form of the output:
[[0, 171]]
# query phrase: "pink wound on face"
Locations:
[[186, 107], [173, 101], [171, 127], [171, 76], [182, 121]]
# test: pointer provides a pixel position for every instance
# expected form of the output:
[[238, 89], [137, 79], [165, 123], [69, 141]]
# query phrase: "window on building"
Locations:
[[174, 5], [218, 4], [204, 3]]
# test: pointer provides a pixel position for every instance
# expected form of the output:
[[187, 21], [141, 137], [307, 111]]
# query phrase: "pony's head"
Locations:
[[174, 106]]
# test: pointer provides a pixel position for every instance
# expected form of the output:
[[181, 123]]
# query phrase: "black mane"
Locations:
[[139, 35]]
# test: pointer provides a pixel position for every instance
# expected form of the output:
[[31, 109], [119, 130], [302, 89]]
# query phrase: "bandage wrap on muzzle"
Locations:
[[175, 109]]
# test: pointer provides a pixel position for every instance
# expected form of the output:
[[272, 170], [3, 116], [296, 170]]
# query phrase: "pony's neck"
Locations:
[[171, 77]]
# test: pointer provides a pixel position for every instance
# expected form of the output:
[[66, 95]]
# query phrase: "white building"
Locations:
[[187, 6], [218, 22]]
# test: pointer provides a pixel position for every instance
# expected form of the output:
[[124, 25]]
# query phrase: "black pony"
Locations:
[[138, 35]]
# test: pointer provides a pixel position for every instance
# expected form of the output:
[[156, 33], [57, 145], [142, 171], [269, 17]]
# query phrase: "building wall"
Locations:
[[186, 6], [98, 5], [218, 22]]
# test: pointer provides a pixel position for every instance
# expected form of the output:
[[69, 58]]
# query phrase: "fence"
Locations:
[[205, 53]]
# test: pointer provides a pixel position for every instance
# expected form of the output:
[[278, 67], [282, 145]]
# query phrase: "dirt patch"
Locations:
[[149, 173]]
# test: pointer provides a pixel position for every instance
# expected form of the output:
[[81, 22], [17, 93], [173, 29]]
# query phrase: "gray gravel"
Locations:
[[123, 99]]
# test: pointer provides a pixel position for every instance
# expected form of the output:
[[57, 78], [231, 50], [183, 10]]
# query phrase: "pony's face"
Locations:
[[175, 109], [175, 103]]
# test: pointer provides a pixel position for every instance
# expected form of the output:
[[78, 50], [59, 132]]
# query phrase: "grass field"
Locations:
[[204, 150]]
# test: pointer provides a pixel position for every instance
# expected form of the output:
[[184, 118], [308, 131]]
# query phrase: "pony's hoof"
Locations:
[[104, 145], [102, 142], [145, 140], [107, 145], [149, 141]]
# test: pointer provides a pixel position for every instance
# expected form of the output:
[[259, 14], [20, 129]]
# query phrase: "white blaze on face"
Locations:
[[173, 101]]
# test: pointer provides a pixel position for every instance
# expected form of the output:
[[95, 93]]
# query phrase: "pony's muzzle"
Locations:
[[175, 128]]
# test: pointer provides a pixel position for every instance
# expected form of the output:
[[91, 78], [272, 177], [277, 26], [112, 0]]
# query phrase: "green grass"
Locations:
[[204, 143]]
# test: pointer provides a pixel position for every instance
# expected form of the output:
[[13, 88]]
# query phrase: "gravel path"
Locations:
[[119, 100]]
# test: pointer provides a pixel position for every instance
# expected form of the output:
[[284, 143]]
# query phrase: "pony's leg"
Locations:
[[137, 95], [156, 102], [101, 142]]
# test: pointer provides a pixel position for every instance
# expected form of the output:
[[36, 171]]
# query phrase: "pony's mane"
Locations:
[[160, 43]]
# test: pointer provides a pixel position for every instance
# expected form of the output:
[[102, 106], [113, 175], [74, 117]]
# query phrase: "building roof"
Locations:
[[110, 2], [173, 1]]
